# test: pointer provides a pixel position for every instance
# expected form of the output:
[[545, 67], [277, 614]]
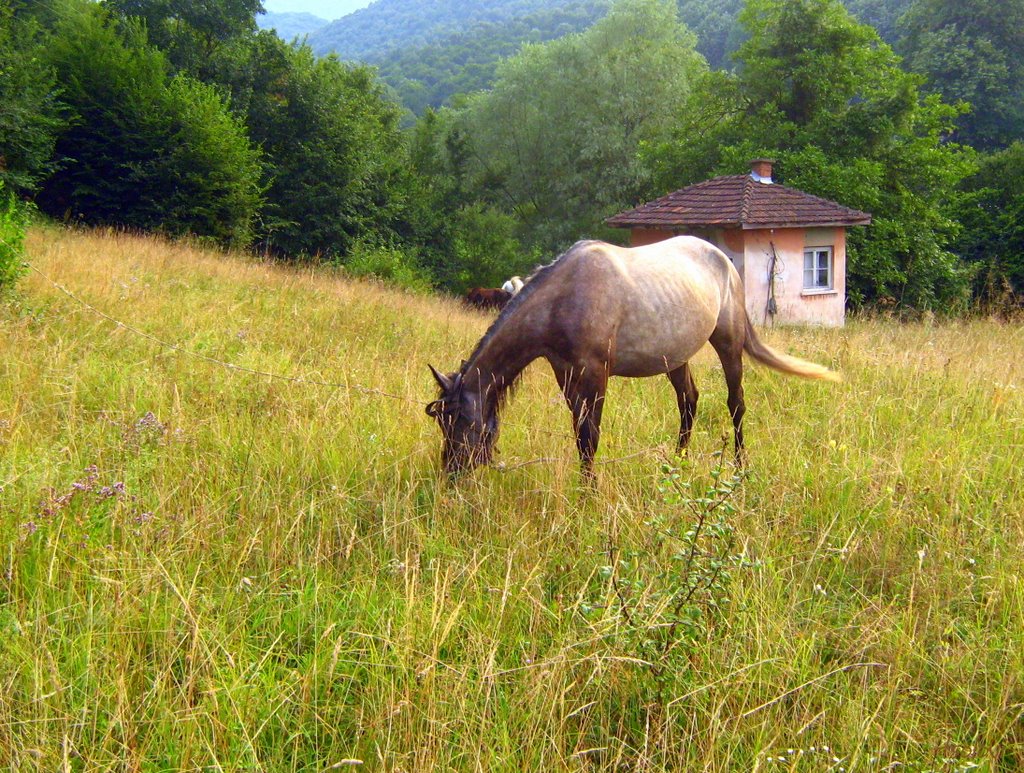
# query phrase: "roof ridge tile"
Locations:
[[737, 200]]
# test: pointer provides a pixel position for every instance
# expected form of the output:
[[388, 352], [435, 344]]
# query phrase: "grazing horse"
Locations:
[[488, 298], [513, 285], [599, 311]]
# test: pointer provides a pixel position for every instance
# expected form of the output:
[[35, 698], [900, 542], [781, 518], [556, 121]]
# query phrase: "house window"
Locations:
[[818, 269]]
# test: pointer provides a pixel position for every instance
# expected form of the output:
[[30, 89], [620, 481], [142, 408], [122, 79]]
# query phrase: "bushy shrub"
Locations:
[[12, 236], [388, 263], [30, 115], [142, 149], [668, 593], [483, 250]]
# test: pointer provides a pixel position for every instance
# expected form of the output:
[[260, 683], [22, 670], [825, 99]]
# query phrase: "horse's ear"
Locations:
[[444, 382]]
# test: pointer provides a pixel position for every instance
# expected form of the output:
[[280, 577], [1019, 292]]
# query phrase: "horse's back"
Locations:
[[663, 299]]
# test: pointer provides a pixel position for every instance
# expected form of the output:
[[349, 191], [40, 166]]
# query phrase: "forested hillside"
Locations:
[[466, 61], [187, 119], [429, 53], [290, 25], [720, 33], [368, 34]]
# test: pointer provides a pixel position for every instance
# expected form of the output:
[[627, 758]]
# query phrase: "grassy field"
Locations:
[[207, 568]]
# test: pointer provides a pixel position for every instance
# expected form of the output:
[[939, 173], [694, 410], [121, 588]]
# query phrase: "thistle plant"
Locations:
[[667, 594]]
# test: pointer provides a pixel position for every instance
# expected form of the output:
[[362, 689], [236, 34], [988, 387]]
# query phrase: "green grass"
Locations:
[[210, 569]]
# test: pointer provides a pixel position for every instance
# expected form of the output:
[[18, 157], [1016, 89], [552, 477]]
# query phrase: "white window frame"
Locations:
[[812, 273]]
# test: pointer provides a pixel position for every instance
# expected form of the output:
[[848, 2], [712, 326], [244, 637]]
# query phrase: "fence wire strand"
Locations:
[[213, 360], [502, 467]]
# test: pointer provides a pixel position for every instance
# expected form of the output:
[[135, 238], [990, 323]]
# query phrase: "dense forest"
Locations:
[[428, 56], [369, 33], [463, 62], [290, 25], [187, 119]]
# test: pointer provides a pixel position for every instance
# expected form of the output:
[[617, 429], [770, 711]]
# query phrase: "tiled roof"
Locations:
[[739, 200]]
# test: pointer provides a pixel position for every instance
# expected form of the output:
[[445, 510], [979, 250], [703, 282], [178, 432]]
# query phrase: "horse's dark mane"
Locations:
[[532, 283]]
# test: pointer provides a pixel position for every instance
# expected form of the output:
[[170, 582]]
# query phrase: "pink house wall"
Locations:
[[638, 237], [794, 304], [750, 252]]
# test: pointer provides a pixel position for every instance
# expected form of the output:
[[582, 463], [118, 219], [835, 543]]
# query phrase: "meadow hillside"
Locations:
[[207, 568]]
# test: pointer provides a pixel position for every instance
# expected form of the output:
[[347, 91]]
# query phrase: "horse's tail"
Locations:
[[765, 355]]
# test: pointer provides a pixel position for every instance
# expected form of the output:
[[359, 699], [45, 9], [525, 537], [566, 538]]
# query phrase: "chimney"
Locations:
[[761, 170]]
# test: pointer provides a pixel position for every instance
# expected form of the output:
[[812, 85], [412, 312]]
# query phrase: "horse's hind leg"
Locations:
[[730, 352], [686, 396]]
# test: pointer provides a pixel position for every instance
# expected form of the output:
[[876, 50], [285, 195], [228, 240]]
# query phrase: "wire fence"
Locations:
[[634, 452], [213, 360]]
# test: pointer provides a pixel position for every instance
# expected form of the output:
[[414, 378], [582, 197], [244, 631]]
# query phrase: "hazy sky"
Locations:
[[325, 9]]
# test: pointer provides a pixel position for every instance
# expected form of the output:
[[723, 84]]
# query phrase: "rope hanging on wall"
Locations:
[[771, 307]]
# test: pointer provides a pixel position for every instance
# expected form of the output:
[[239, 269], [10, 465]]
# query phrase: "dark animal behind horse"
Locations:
[[488, 297], [600, 311]]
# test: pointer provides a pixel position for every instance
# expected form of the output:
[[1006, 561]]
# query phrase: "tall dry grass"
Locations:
[[211, 569]]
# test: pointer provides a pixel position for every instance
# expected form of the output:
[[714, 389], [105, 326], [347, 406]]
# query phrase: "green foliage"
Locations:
[[667, 594], [467, 61], [333, 149], [811, 62], [12, 238], [210, 166], [142, 149], [972, 51], [883, 15], [467, 242], [388, 263], [289, 26], [719, 32], [29, 112], [191, 33], [115, 125], [485, 251], [992, 215], [555, 141], [390, 25], [827, 99], [333, 158], [715, 25]]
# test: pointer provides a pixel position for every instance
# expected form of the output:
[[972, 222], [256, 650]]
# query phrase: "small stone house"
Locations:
[[788, 246]]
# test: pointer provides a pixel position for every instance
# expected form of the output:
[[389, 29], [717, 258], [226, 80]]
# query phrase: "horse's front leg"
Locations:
[[584, 388]]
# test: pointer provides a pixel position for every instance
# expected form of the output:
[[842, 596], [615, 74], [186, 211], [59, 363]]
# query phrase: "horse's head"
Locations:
[[469, 433]]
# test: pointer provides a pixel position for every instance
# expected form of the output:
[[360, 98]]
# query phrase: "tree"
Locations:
[[466, 61], [555, 142], [825, 97], [143, 149], [191, 33], [883, 15], [29, 112], [993, 217], [719, 32], [333, 157], [714, 23], [972, 51], [335, 169]]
